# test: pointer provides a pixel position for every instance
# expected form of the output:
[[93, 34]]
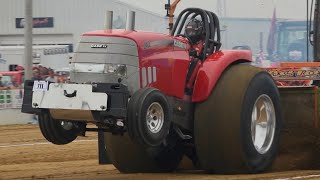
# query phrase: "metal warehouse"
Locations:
[[64, 27], [73, 18]]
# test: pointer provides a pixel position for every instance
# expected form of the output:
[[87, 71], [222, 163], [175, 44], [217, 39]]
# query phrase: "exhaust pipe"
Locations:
[[109, 19], [131, 16]]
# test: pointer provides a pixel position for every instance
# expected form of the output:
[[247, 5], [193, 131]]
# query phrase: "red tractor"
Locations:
[[157, 97]]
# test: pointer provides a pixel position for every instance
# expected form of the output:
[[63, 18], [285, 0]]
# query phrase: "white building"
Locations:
[[61, 22]]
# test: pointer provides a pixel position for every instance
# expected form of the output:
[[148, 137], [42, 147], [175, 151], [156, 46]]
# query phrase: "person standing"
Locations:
[[2, 86], [13, 84], [50, 77], [36, 75]]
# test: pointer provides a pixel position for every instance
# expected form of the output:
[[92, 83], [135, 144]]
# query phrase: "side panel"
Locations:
[[212, 68], [164, 66]]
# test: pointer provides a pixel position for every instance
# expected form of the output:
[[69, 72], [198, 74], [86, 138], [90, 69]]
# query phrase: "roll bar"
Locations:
[[212, 41]]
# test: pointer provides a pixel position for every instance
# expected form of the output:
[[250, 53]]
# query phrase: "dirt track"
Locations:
[[24, 154]]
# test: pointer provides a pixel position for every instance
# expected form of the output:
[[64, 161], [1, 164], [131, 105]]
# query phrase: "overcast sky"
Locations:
[[291, 9]]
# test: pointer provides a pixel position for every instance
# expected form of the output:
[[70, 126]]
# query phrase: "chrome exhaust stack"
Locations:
[[109, 19], [130, 24]]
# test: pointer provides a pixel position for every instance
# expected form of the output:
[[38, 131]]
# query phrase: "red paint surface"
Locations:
[[171, 62], [211, 70], [18, 75]]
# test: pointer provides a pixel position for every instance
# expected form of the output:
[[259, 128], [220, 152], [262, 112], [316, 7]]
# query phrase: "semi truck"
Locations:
[[292, 43]]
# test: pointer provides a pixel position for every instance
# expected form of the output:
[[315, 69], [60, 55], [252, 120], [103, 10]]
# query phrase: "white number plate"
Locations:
[[40, 86]]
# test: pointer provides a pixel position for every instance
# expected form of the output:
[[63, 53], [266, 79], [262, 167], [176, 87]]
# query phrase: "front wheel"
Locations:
[[150, 145], [57, 131], [149, 117], [237, 129]]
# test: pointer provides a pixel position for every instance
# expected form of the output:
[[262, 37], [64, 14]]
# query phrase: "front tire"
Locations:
[[149, 146], [57, 131], [149, 117], [243, 106]]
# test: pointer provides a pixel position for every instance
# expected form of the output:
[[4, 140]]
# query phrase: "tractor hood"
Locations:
[[142, 39], [110, 56]]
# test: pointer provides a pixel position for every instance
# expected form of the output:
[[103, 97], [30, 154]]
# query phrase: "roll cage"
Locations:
[[210, 20]]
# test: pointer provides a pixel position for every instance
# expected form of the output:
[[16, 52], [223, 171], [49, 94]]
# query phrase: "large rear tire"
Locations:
[[57, 131], [243, 106]]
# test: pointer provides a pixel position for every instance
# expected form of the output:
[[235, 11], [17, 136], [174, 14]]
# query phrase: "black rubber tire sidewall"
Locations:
[[153, 139], [136, 120], [222, 132], [131, 119], [129, 153], [262, 83], [53, 131]]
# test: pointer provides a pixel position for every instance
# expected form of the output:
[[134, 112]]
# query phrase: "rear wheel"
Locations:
[[237, 129], [57, 131]]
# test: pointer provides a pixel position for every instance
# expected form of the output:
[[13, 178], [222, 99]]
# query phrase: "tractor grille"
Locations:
[[107, 50]]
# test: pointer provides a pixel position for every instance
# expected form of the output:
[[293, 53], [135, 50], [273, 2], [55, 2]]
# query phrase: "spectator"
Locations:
[[50, 77], [42, 70], [14, 84], [19, 68], [2, 86], [36, 75]]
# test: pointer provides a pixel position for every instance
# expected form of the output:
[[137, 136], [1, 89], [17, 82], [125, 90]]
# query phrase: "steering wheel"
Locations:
[[182, 35]]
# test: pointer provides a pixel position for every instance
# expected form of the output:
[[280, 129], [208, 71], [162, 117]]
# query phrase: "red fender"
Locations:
[[212, 68]]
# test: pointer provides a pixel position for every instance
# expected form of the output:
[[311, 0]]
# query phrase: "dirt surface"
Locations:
[[25, 154]]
